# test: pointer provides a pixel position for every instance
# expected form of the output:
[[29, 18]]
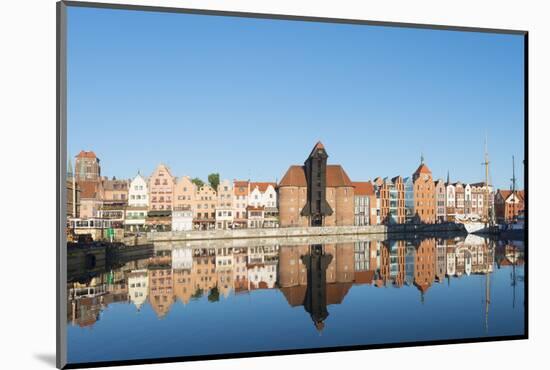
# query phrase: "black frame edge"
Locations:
[[288, 17], [61, 204]]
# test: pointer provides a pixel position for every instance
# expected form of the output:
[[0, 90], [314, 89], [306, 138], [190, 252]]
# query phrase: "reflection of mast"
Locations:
[[487, 285], [514, 260]]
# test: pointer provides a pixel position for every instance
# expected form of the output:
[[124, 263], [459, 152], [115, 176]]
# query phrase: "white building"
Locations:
[[255, 217], [224, 218], [138, 194], [225, 212], [263, 195], [467, 199], [182, 219], [450, 200], [134, 219]]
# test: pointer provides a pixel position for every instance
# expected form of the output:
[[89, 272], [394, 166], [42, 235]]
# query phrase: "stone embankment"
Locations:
[[289, 232]]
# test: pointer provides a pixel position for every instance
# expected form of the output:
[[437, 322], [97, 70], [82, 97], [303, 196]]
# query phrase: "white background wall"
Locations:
[[27, 76]]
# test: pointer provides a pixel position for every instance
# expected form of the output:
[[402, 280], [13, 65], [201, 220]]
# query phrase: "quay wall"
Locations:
[[289, 232]]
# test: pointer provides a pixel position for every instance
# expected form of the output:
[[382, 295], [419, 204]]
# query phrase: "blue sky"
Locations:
[[249, 97]]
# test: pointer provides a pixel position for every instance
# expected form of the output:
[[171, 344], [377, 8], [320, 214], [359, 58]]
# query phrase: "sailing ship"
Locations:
[[480, 224]]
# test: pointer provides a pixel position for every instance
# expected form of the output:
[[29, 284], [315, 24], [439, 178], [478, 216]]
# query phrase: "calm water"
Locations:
[[238, 296]]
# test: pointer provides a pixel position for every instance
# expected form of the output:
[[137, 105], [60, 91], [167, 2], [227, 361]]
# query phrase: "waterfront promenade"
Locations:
[[289, 232]]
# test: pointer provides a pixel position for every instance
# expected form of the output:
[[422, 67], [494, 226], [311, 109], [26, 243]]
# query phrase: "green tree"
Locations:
[[197, 182], [198, 293], [214, 295], [214, 180]]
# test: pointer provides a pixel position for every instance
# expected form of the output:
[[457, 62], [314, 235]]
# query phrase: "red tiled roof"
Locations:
[[85, 154], [262, 186], [240, 184], [296, 176], [506, 193], [363, 188], [422, 169]]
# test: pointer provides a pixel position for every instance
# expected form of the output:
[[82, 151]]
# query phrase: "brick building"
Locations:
[[316, 194], [365, 201], [508, 205], [87, 166], [424, 194], [392, 200]]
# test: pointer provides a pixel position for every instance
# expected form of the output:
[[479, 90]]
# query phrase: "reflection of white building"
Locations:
[[182, 258], [138, 288], [262, 266], [225, 262], [441, 260], [182, 219], [262, 276], [451, 261]]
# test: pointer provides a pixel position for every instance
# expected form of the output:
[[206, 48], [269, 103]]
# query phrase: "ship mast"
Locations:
[[486, 164]]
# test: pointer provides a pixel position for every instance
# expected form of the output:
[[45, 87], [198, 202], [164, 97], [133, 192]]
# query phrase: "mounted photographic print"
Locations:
[[235, 184]]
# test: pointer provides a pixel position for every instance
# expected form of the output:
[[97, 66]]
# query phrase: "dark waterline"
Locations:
[[278, 297]]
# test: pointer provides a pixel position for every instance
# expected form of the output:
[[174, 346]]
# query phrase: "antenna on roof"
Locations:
[[421, 158]]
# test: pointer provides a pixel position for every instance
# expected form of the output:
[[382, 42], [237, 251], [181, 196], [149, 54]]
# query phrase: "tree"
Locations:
[[214, 295], [214, 180], [198, 293], [197, 182]]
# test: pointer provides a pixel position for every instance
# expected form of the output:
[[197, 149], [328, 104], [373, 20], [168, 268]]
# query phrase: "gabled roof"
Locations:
[[237, 185], [422, 169], [262, 186], [86, 154], [296, 176], [160, 167], [507, 193], [363, 188]]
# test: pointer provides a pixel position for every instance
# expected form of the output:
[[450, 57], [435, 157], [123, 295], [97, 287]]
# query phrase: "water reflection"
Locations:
[[314, 276]]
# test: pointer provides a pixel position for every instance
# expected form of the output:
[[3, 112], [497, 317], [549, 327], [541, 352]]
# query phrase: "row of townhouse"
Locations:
[[165, 202], [315, 194]]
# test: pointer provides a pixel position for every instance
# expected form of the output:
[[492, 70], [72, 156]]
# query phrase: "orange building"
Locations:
[[241, 191], [425, 265], [424, 194], [161, 189], [392, 199]]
